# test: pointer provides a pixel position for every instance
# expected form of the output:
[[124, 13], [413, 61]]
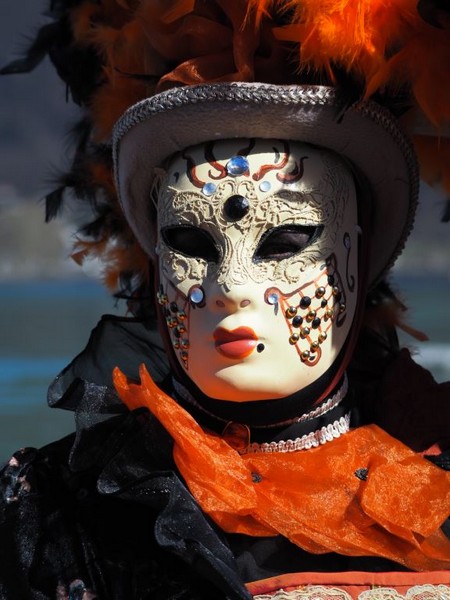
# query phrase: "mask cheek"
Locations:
[[181, 272], [179, 277], [175, 309], [312, 311]]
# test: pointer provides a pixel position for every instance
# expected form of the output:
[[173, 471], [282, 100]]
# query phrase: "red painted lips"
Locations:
[[238, 343]]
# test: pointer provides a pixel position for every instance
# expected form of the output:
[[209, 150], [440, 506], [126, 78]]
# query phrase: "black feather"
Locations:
[[351, 91], [93, 230], [381, 293], [446, 213], [80, 68], [433, 11], [53, 203], [36, 52]]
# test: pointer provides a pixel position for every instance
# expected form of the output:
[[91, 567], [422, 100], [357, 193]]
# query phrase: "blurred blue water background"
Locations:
[[45, 324]]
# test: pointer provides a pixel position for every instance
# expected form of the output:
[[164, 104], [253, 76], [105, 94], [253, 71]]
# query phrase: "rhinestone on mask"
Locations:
[[236, 207], [209, 189], [237, 165], [171, 322], [297, 321], [162, 298], [305, 302], [316, 323], [196, 295], [265, 186], [291, 311], [294, 338], [273, 298], [305, 355]]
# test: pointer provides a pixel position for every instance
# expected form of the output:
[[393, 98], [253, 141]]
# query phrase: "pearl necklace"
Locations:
[[321, 436]]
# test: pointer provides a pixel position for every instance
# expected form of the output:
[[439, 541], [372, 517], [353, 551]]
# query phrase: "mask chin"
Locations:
[[262, 412]]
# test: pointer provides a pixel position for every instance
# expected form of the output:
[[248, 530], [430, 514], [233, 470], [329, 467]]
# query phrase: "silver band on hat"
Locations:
[[366, 134]]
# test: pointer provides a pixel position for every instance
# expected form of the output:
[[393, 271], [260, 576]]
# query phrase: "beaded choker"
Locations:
[[321, 436]]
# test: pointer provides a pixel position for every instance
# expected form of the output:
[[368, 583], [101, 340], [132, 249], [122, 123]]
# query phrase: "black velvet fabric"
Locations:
[[104, 511], [104, 514]]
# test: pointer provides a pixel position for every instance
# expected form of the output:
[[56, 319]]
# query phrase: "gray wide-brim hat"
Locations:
[[365, 134]]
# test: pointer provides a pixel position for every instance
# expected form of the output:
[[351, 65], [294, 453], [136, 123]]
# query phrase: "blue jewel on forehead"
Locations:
[[209, 189], [237, 165], [264, 186]]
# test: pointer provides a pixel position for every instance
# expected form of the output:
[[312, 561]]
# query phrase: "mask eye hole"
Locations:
[[286, 240], [191, 241]]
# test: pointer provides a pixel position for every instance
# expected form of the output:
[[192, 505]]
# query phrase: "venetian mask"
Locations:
[[258, 251]]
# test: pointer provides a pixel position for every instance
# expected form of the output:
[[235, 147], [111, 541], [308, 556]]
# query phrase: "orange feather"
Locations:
[[381, 44], [82, 21], [179, 10]]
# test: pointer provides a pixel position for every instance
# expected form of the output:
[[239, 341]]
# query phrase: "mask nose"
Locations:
[[228, 300], [242, 304]]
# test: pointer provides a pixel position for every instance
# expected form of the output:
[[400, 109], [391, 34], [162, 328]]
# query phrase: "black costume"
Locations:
[[106, 513], [105, 510]]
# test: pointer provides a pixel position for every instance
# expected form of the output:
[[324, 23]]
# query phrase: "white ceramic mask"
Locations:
[[258, 253]]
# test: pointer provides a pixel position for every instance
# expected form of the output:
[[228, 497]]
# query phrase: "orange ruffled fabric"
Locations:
[[313, 498]]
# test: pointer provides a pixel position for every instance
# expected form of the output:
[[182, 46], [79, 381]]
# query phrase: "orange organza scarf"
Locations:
[[313, 498]]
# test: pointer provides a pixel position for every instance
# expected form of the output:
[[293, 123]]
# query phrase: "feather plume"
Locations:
[[446, 212], [434, 12], [382, 43], [35, 53], [386, 312], [114, 53], [178, 11], [434, 160]]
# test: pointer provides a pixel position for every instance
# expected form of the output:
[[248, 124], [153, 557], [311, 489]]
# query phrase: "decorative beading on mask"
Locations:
[[255, 248]]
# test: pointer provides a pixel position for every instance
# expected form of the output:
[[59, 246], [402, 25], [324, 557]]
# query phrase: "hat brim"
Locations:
[[365, 134]]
